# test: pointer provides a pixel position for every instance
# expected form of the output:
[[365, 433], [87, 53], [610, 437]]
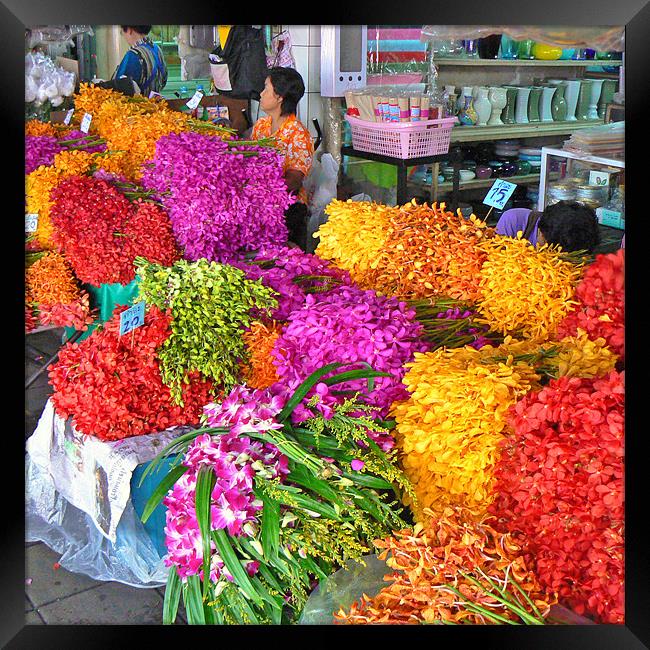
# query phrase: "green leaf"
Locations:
[[205, 481], [307, 503], [270, 527], [193, 601], [368, 481], [303, 477], [302, 390], [351, 375], [172, 596], [161, 490], [233, 564]]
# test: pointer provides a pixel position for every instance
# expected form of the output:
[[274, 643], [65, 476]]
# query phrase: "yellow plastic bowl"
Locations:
[[546, 52]]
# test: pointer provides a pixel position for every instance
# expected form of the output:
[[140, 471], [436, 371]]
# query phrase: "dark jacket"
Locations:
[[245, 55]]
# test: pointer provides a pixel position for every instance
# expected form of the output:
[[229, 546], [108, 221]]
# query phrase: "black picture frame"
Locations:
[[15, 15]]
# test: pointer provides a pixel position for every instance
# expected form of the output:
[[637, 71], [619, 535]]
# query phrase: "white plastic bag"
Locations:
[[321, 189]]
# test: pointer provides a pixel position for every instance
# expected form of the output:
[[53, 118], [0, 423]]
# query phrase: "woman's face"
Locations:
[[269, 101]]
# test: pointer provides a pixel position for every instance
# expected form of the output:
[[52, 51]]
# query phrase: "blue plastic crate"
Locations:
[[155, 525]]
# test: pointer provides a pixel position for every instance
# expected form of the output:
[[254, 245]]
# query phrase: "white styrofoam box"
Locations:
[[299, 34], [314, 69], [315, 111], [314, 35], [301, 57]]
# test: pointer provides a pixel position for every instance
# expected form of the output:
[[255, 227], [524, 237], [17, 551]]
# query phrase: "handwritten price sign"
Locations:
[[132, 318], [31, 222], [499, 193], [85, 122]]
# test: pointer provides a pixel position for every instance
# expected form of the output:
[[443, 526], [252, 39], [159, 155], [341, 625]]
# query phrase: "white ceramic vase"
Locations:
[[497, 98], [545, 114], [482, 106], [521, 105], [571, 95], [596, 87]]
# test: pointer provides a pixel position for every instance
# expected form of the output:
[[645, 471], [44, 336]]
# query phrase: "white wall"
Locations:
[[305, 45]]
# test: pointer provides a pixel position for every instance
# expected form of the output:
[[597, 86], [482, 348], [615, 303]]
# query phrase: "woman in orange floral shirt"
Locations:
[[283, 89]]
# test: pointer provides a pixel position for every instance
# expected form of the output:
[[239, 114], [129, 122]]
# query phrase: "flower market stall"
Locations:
[[441, 405]]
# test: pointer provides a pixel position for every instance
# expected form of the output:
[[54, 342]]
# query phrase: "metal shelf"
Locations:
[[530, 130], [561, 63], [523, 179]]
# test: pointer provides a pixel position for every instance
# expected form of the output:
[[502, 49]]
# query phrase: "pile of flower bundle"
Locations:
[[601, 303], [223, 197], [292, 274], [40, 183], [411, 251], [40, 150], [351, 325], [259, 371], [526, 291], [456, 570], [53, 295], [112, 387], [450, 428], [211, 305], [101, 231], [559, 488], [258, 510]]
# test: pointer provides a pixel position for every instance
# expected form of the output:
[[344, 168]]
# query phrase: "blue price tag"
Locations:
[[499, 193], [132, 318]]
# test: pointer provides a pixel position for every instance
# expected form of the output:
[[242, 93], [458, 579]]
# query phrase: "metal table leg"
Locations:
[[401, 185]]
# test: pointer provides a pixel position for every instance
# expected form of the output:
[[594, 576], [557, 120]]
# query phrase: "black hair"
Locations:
[[141, 29], [288, 84], [572, 225]]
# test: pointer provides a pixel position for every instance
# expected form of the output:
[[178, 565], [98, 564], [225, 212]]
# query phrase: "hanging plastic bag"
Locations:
[[281, 54], [321, 186]]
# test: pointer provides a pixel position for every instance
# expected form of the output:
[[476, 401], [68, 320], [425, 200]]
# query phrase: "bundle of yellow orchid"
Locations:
[[354, 238], [526, 291], [448, 431]]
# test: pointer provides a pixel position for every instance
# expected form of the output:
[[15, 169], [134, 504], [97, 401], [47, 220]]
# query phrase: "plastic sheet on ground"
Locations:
[[91, 474], [343, 588], [132, 560], [598, 38]]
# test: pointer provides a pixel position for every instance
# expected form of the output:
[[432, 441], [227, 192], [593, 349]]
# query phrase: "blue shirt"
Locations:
[[515, 219], [147, 80]]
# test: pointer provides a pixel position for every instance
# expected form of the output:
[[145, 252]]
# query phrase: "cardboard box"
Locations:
[[70, 65]]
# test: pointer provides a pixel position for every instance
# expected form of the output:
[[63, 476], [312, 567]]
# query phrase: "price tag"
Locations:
[[499, 193], [153, 93], [85, 122], [610, 218], [601, 179], [132, 318], [31, 222], [68, 116], [195, 100]]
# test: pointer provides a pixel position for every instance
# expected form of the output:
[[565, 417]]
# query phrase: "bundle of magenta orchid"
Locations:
[[223, 196], [259, 508]]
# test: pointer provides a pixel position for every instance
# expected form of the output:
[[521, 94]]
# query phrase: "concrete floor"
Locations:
[[53, 595]]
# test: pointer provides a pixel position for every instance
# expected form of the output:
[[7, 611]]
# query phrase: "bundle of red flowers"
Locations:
[[101, 231], [601, 312], [559, 484], [111, 384]]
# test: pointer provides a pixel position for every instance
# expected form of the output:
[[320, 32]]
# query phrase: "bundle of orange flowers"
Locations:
[[52, 290], [526, 291], [89, 100], [433, 252], [413, 251], [260, 372], [456, 570], [450, 429], [36, 127]]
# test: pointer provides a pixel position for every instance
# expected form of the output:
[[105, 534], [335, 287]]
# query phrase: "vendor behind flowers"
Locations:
[[283, 89]]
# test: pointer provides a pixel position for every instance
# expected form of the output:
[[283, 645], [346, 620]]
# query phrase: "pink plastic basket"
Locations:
[[402, 140]]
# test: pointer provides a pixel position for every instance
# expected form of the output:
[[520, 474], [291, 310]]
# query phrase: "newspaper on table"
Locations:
[[93, 475]]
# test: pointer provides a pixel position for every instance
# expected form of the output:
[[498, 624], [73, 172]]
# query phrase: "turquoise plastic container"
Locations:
[[155, 525]]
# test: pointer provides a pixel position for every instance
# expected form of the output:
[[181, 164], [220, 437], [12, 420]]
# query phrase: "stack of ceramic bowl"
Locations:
[[534, 156], [561, 191], [507, 148], [591, 195]]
